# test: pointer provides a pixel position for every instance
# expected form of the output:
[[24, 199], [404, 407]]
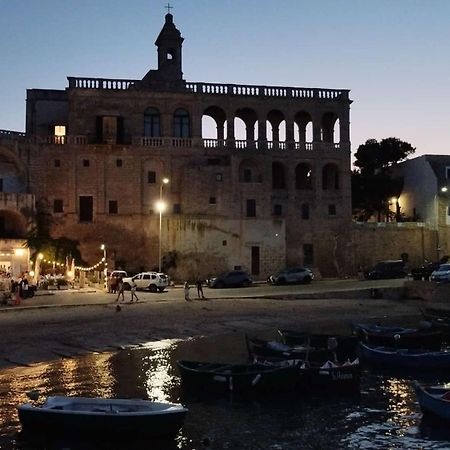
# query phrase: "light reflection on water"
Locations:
[[384, 416]]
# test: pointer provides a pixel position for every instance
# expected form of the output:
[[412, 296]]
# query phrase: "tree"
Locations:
[[372, 182]]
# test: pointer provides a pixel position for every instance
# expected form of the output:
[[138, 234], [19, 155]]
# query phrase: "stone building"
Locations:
[[267, 186]]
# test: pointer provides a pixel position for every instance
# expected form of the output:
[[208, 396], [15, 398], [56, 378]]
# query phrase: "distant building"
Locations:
[[259, 176]]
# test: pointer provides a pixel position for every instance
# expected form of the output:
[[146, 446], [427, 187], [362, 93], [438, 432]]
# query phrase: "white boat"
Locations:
[[102, 415]]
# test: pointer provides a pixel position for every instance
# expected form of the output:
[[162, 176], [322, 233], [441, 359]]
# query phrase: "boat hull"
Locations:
[[106, 419], [431, 401]]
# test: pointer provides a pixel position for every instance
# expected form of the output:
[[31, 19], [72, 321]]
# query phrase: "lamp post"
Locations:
[[436, 212], [161, 207], [105, 270]]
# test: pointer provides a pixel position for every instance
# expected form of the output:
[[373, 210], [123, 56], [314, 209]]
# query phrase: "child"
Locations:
[[186, 292], [133, 292]]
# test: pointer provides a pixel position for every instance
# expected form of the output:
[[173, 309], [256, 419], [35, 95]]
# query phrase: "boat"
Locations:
[[102, 415], [440, 318], [322, 377], [413, 359], [344, 346], [244, 378], [434, 400], [401, 337]]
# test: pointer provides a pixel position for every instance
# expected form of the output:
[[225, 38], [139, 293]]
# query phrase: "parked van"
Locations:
[[387, 269]]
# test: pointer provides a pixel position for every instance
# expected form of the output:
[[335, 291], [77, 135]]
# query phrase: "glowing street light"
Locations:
[[161, 207]]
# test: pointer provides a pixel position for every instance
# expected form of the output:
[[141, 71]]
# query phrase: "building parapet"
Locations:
[[220, 89]]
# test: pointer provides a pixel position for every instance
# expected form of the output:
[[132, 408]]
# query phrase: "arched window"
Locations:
[[303, 176], [181, 125], [330, 177], [152, 123], [278, 176]]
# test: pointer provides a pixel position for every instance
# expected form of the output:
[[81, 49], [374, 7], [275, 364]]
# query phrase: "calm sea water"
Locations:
[[384, 416]]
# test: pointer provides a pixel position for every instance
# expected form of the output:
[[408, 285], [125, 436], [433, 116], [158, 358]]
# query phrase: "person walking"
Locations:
[[199, 284], [120, 289], [186, 292], [133, 291]]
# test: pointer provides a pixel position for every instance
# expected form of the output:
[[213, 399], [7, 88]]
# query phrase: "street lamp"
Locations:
[[436, 211], [105, 270], [161, 207]]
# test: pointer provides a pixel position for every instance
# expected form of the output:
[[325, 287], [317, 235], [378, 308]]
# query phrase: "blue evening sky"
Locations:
[[394, 55]]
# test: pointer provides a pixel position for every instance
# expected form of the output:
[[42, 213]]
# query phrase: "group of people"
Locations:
[[199, 285], [119, 287], [19, 288]]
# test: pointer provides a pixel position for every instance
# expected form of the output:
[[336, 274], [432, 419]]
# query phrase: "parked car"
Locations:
[[387, 269], [424, 271], [153, 281], [234, 278], [291, 275], [442, 273]]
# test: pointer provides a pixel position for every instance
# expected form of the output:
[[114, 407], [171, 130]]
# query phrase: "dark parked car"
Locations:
[[387, 269], [424, 271], [292, 275], [234, 278]]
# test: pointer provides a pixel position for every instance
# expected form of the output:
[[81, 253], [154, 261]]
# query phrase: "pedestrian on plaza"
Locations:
[[120, 289], [133, 291], [199, 284], [23, 287], [186, 292]]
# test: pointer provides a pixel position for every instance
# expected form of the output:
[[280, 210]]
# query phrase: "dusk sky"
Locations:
[[394, 55]]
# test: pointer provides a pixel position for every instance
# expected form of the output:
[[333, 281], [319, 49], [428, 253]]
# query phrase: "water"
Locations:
[[384, 416]]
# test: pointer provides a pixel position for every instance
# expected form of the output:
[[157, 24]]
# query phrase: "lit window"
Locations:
[[60, 134]]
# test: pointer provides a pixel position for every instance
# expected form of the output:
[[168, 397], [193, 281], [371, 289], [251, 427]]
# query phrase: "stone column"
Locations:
[[290, 133], [262, 133], [230, 130]]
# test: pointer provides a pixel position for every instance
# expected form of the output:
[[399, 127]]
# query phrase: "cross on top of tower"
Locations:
[[168, 8]]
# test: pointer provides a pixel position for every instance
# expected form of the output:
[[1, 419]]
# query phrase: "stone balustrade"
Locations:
[[220, 89]]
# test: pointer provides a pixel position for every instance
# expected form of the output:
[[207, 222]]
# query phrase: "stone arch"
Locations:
[[276, 128], [13, 225], [330, 177], [278, 175], [181, 123], [303, 176], [152, 122], [250, 119], [249, 171], [303, 126], [327, 126], [213, 123]]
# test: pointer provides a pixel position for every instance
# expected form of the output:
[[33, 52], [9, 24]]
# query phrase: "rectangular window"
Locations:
[[2, 227], [255, 261], [109, 129], [118, 163], [151, 177], [305, 211], [60, 134], [177, 208], [247, 175], [57, 163], [308, 254], [86, 208], [213, 161], [212, 200], [331, 210], [219, 177], [112, 207], [1, 184], [251, 208], [58, 206], [277, 210], [86, 163]]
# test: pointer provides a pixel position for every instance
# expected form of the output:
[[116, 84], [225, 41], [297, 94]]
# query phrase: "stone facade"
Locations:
[[270, 188]]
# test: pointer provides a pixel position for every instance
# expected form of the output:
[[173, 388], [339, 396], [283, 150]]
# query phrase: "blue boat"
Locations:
[[434, 400], [414, 359]]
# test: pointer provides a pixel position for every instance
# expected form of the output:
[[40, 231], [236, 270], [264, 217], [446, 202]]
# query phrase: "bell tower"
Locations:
[[169, 73]]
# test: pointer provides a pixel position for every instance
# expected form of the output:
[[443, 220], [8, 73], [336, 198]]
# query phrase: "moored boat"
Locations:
[[102, 415], [434, 400], [440, 318], [344, 346], [413, 359], [401, 337], [244, 378]]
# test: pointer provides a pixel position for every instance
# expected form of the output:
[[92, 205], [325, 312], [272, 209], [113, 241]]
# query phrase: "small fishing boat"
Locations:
[[322, 377], [344, 346], [413, 359], [244, 378], [434, 400], [401, 337], [102, 415]]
